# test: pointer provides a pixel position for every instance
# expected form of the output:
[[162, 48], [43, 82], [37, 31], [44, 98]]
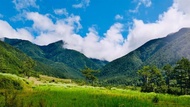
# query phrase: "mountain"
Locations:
[[53, 59], [71, 58], [101, 63], [155, 52], [11, 59]]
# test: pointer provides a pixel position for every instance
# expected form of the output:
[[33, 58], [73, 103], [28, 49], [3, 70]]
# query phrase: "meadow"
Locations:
[[60, 94]]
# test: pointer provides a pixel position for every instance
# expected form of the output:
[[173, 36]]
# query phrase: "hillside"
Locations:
[[155, 52], [53, 59], [11, 59]]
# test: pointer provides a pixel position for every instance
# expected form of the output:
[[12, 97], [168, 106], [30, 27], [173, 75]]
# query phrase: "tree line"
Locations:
[[170, 79]]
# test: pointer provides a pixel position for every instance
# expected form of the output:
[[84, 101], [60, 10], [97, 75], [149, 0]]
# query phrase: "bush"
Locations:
[[155, 99], [147, 88], [174, 90], [9, 83], [161, 89]]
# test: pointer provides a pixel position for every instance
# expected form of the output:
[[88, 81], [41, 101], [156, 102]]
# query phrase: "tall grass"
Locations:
[[57, 96], [68, 95]]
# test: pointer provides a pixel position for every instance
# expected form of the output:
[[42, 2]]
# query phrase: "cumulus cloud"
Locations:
[[61, 12], [23, 4], [41, 22], [7, 31], [107, 48], [62, 29], [182, 5], [82, 4], [170, 21], [118, 17]]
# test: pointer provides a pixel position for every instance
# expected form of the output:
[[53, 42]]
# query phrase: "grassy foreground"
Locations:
[[72, 95]]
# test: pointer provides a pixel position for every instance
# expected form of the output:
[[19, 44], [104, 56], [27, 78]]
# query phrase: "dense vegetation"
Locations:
[[14, 61], [171, 79], [89, 75], [54, 60], [156, 52]]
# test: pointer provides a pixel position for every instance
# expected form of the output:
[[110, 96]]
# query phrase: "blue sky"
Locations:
[[102, 29]]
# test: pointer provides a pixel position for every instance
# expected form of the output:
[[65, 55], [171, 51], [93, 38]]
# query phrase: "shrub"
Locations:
[[9, 83], [147, 88], [155, 99], [174, 90], [161, 89]]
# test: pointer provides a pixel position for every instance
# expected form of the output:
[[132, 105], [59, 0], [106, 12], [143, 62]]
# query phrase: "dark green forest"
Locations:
[[170, 79]]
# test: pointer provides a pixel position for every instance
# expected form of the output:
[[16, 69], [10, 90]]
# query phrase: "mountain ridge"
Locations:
[[56, 60], [149, 53]]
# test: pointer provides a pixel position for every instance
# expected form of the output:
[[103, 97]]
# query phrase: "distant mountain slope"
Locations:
[[53, 59], [101, 63], [71, 58], [155, 52], [11, 59]]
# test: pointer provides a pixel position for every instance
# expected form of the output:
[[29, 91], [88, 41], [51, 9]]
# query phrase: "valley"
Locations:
[[52, 76], [94, 53]]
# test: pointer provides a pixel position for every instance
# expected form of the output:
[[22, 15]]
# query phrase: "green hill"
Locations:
[[43, 65], [53, 59], [11, 59], [155, 52]]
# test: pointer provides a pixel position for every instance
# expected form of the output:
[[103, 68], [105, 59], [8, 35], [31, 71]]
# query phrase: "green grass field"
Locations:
[[72, 95]]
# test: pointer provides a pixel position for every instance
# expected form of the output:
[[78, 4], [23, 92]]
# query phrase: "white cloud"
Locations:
[[118, 17], [62, 29], [23, 4], [170, 21], [61, 12], [41, 22], [7, 31], [183, 5], [136, 8], [107, 48], [82, 4], [146, 3]]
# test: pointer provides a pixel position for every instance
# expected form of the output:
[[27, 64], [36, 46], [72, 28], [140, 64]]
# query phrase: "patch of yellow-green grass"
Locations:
[[59, 96], [71, 95], [45, 78], [11, 81]]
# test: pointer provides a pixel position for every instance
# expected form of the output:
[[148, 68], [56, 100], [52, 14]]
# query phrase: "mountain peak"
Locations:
[[58, 43]]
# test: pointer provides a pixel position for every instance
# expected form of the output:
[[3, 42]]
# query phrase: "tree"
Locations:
[[145, 74], [89, 74], [182, 74], [27, 67], [168, 72], [151, 77]]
